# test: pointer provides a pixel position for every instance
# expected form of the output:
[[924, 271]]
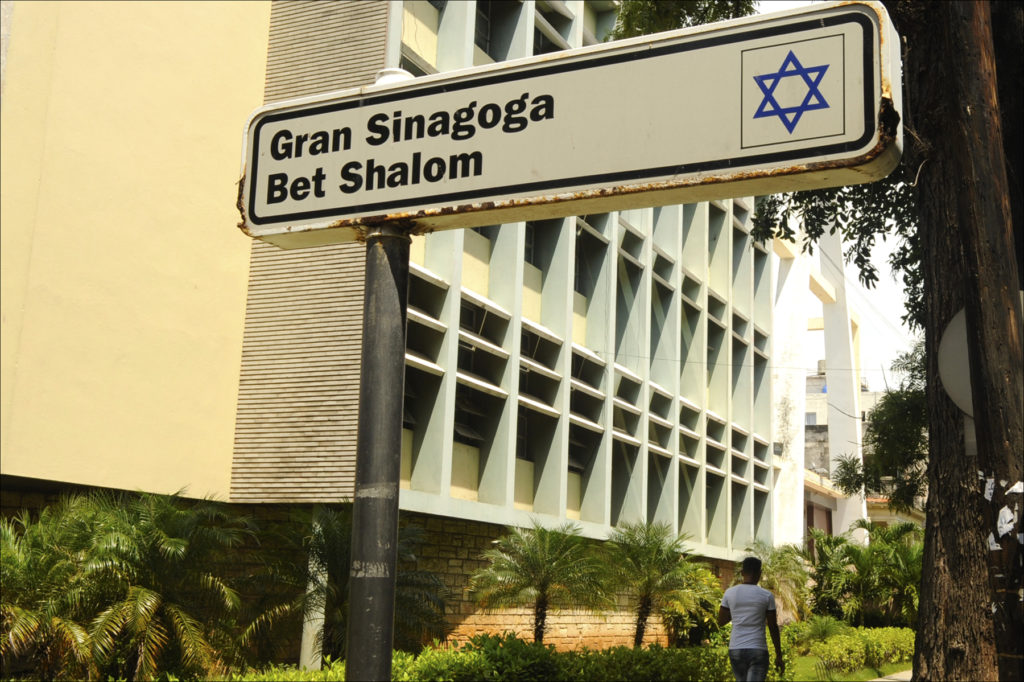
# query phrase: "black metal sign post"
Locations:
[[378, 456]]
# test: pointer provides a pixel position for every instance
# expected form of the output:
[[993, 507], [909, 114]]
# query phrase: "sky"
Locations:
[[883, 335]]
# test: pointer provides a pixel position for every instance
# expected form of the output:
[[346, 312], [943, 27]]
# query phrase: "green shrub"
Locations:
[[800, 636], [449, 665], [507, 658], [796, 637], [887, 645], [841, 653], [333, 671], [510, 658], [654, 663], [820, 628]]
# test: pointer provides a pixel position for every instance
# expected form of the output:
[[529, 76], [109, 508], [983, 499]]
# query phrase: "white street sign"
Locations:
[[781, 102]]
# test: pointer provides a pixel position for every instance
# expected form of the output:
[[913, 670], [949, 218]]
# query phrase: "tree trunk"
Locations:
[[952, 119], [643, 612], [993, 340], [540, 617]]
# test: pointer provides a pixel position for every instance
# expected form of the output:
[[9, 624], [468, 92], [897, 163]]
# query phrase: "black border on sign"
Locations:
[[639, 53]]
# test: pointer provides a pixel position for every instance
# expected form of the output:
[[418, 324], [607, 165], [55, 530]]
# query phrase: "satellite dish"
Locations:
[[954, 367]]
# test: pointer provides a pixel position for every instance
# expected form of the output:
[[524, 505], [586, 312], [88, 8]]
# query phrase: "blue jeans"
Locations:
[[749, 665]]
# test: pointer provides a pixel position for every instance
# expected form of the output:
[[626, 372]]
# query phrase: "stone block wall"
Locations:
[[453, 549]]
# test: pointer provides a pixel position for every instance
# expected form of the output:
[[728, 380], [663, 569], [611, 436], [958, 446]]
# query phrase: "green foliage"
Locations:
[[871, 584], [820, 628], [895, 441], [841, 653], [860, 647], [642, 17], [117, 585], [648, 562], [796, 637], [137, 587], [543, 568], [690, 614], [159, 552], [887, 645], [799, 636], [45, 597], [861, 214], [827, 561], [332, 671], [508, 658], [450, 665], [320, 585]]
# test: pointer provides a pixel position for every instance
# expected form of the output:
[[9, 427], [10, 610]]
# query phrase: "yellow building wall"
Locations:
[[533, 282], [419, 28], [123, 274], [465, 471], [476, 263], [579, 318]]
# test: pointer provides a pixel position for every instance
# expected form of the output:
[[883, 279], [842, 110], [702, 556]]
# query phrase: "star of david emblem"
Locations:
[[791, 68]]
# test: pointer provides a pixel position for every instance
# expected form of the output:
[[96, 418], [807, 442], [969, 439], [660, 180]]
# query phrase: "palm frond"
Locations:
[[107, 626], [195, 650], [151, 642], [20, 631]]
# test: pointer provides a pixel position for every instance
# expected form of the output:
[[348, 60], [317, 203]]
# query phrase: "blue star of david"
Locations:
[[791, 68]]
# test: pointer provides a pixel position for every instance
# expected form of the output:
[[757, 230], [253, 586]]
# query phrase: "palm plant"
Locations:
[[160, 553], [543, 568], [44, 594], [690, 613], [859, 588], [419, 596], [904, 579], [828, 564], [898, 556], [784, 573], [319, 587], [649, 563]]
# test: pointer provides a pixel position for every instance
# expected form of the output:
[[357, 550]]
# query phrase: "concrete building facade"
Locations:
[[597, 369]]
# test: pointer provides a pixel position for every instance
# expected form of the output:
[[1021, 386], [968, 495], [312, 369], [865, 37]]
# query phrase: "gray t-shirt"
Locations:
[[749, 606]]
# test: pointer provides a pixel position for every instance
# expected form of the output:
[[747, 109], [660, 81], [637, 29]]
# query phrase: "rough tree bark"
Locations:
[[970, 616]]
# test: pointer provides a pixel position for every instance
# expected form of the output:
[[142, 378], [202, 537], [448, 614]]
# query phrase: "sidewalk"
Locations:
[[902, 676]]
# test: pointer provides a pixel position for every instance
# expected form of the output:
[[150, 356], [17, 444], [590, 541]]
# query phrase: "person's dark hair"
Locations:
[[751, 565]]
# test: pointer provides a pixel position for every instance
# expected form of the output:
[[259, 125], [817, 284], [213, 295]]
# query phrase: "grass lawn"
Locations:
[[805, 668]]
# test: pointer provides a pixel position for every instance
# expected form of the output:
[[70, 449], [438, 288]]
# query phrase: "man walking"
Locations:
[[750, 607]]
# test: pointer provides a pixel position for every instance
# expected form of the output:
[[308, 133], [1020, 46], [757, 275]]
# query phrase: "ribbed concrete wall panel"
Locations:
[[298, 405], [298, 393], [320, 46]]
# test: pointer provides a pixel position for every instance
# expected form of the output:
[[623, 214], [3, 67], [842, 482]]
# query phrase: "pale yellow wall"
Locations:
[[533, 282], [465, 471], [476, 262], [405, 470], [419, 28], [573, 495], [418, 250], [523, 492], [123, 274], [579, 318]]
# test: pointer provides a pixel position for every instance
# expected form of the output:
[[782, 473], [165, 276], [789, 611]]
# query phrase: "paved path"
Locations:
[[902, 676]]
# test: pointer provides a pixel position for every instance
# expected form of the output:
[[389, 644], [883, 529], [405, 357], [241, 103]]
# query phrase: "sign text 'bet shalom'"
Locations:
[[794, 100], [393, 129]]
